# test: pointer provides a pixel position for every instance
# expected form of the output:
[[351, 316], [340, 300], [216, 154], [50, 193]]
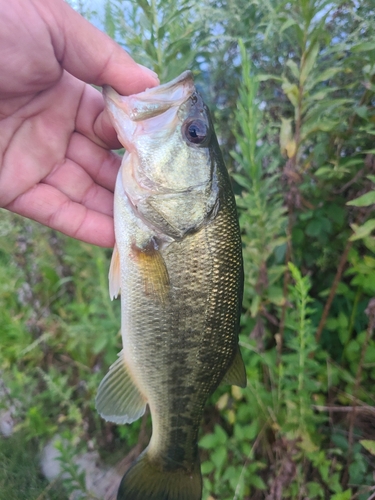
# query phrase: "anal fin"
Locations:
[[118, 399], [236, 375]]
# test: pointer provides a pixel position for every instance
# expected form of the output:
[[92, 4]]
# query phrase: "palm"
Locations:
[[66, 174], [55, 161]]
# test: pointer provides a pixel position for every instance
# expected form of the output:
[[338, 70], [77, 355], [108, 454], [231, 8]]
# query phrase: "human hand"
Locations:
[[56, 166]]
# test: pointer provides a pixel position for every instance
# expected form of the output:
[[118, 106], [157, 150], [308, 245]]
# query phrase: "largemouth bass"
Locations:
[[178, 264]]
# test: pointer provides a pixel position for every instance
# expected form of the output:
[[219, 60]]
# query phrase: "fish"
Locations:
[[177, 263]]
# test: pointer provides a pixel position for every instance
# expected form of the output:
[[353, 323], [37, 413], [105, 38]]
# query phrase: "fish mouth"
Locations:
[[154, 101]]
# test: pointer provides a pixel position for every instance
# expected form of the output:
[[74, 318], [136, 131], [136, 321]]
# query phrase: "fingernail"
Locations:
[[150, 72]]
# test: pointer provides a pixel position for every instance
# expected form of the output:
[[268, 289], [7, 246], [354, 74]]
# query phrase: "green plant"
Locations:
[[291, 89], [160, 33]]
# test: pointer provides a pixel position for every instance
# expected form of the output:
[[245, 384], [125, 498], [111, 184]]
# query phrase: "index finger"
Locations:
[[90, 55]]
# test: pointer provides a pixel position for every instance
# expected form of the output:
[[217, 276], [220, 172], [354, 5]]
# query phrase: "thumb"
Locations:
[[90, 55]]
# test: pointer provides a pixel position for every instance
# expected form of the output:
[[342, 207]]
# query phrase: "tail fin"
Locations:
[[145, 480]]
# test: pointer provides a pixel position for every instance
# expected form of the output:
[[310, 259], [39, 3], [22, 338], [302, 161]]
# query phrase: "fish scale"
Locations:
[[178, 262]]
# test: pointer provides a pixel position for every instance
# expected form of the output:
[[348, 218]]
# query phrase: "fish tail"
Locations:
[[147, 480]]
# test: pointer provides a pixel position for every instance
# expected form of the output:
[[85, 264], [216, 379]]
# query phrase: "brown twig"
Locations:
[[362, 490], [344, 409], [332, 292], [354, 179], [370, 311]]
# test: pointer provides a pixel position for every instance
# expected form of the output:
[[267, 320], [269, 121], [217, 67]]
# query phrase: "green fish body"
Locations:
[[178, 265]]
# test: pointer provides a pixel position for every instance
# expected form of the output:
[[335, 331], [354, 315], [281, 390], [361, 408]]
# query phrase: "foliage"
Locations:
[[19, 472], [291, 86], [159, 33]]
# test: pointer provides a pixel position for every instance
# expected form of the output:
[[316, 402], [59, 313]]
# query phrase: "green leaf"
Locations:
[[369, 445], [363, 201], [146, 9], [314, 489], [323, 76], [286, 137], [110, 26], [361, 232], [265, 77], [207, 467], [241, 179], [336, 213], [254, 308], [291, 91], [357, 469], [219, 456], [287, 24], [361, 111], [276, 296], [222, 437], [370, 243], [327, 125], [345, 495], [309, 62], [323, 171], [363, 47], [314, 228], [297, 235], [250, 431], [319, 95], [323, 124], [370, 358], [257, 482], [208, 441], [292, 65]]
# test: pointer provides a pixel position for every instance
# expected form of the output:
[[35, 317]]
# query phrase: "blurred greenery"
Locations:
[[291, 88], [20, 476]]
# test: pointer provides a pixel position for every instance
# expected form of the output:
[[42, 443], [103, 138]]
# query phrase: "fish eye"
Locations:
[[196, 131]]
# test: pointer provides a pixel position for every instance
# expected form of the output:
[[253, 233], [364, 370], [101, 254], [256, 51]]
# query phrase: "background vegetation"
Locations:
[[291, 86]]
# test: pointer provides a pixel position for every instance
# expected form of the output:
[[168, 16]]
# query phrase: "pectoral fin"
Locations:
[[153, 271], [236, 375], [118, 399], [114, 274]]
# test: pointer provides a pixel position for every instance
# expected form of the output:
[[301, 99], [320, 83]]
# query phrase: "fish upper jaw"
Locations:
[[153, 101], [128, 113]]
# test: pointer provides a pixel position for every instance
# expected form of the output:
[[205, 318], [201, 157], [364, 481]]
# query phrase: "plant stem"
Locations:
[[288, 257], [370, 311], [332, 293]]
